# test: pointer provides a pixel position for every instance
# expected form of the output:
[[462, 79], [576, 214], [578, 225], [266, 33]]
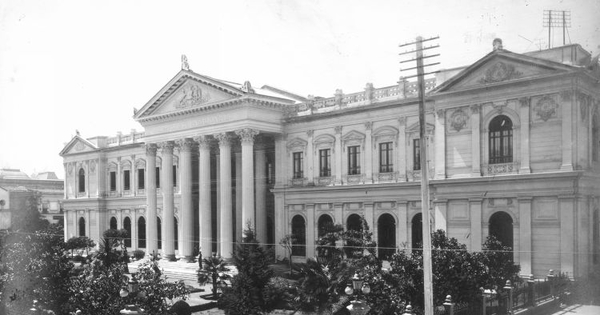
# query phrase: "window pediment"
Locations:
[[385, 134], [297, 144], [324, 141], [353, 138], [415, 128]]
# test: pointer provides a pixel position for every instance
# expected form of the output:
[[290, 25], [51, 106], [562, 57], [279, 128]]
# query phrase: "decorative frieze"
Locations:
[[546, 108]]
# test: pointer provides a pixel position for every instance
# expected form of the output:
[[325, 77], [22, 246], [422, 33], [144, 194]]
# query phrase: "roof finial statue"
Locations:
[[184, 63], [77, 132], [497, 43]]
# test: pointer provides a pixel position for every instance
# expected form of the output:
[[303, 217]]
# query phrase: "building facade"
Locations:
[[16, 188], [513, 151]]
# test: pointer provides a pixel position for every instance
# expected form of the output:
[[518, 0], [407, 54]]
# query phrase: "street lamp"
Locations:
[[509, 289], [356, 306]]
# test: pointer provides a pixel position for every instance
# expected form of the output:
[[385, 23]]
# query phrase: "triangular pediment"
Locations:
[[78, 145], [188, 90], [501, 67]]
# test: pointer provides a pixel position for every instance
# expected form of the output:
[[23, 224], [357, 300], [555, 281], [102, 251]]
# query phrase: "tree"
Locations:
[[287, 242], [214, 270], [79, 242], [248, 291], [34, 266], [112, 247]]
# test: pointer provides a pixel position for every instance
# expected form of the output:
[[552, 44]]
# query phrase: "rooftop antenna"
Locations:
[[556, 18]]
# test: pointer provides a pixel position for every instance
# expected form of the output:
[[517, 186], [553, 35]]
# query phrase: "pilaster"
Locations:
[[568, 230], [567, 130], [369, 152], [440, 215], [525, 239], [401, 155], [476, 224], [309, 162], [440, 145], [525, 136], [402, 227], [338, 155], [475, 140], [311, 232]]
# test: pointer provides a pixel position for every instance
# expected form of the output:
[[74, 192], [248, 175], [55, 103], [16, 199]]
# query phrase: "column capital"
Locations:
[[223, 138], [368, 125], [185, 144], [203, 141], [475, 108], [151, 149], [565, 95], [246, 135], [310, 133], [401, 121], [338, 129], [166, 147], [524, 101]]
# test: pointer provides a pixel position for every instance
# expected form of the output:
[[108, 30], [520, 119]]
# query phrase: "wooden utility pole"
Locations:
[[425, 204]]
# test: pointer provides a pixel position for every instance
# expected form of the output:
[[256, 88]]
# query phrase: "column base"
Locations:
[[524, 170], [169, 257], [189, 259], [566, 167]]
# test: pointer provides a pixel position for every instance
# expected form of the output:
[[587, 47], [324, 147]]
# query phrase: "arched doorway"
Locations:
[[113, 223], [352, 248], [127, 227], [81, 227], [324, 224], [501, 227], [354, 222], [417, 232], [299, 232], [158, 233], [142, 232], [386, 236]]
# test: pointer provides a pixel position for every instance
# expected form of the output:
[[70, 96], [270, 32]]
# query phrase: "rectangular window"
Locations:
[[416, 154], [126, 180], [157, 177], [386, 164], [354, 160], [325, 163], [141, 181], [113, 181], [298, 165], [174, 175]]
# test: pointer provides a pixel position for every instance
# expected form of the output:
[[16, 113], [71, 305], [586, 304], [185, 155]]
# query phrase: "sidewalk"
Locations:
[[578, 309]]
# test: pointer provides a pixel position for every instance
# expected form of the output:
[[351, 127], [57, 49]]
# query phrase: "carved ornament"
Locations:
[[203, 142], [402, 120], [192, 96], [79, 146], [566, 95], [92, 166], [185, 144], [524, 101], [546, 108], [310, 133], [338, 129], [458, 120], [167, 147], [223, 138], [151, 149], [500, 72], [475, 108], [368, 125], [246, 135]]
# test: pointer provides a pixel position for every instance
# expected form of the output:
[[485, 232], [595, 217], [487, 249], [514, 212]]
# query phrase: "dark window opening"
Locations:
[[126, 180], [127, 227], [386, 164], [157, 177], [81, 227], [141, 180], [113, 181], [325, 163], [81, 180], [501, 140], [298, 165], [416, 154], [174, 175], [354, 160], [113, 223], [142, 232], [299, 232]]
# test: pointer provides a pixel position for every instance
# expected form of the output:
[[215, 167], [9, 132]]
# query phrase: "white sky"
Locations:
[[73, 64]]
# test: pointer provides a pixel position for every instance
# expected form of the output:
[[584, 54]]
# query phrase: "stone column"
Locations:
[[166, 186], [338, 155], [440, 145], [567, 234], [260, 179], [310, 230], [476, 224], [402, 227], [401, 155], [134, 233], [187, 209], [309, 161], [524, 169], [567, 132], [226, 230], [280, 161], [204, 195], [525, 239], [239, 225], [475, 141], [583, 237], [369, 151], [248, 215], [151, 233]]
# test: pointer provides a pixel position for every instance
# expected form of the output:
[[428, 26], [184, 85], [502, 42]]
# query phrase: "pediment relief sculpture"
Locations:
[[499, 72], [192, 95]]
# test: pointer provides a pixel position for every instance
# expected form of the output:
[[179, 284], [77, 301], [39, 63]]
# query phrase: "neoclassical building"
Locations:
[[513, 151]]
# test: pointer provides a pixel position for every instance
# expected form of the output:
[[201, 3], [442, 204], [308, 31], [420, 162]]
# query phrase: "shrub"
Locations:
[[138, 254]]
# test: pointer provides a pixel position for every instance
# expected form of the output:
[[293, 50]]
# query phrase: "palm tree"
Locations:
[[214, 270]]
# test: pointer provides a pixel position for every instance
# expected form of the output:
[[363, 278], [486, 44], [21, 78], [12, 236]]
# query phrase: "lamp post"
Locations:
[[448, 305], [133, 290], [408, 310], [487, 294], [551, 278], [509, 290], [356, 306], [530, 284]]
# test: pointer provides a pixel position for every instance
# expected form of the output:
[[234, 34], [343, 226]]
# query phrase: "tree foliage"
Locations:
[[248, 293], [79, 243], [213, 270]]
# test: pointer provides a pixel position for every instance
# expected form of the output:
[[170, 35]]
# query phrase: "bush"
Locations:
[[139, 254], [78, 258]]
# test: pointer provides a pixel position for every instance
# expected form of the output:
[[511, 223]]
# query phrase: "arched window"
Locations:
[[501, 227], [81, 227], [299, 232], [127, 227], [354, 222], [81, 180], [113, 223], [325, 223], [386, 236], [158, 233], [352, 247], [501, 140], [142, 232], [417, 232]]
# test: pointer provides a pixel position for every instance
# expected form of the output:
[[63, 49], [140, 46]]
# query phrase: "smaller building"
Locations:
[[16, 187]]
